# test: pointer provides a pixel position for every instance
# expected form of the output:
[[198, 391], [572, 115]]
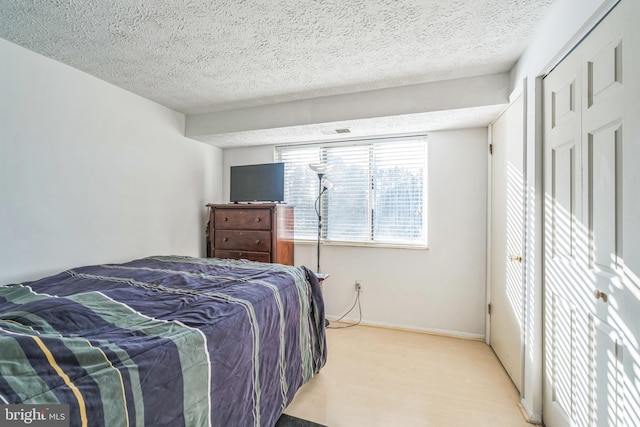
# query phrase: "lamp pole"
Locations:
[[321, 170], [319, 212]]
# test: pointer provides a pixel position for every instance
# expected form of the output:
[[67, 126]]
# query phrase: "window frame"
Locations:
[[371, 141]]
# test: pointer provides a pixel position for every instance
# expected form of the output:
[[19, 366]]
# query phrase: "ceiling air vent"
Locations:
[[336, 131]]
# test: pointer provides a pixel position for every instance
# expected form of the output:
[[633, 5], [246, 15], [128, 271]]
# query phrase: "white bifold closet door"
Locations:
[[592, 230]]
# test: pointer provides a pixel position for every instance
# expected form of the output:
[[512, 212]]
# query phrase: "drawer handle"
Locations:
[[258, 242], [226, 219], [225, 239], [257, 219]]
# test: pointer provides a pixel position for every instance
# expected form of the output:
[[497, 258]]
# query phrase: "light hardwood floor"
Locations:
[[383, 377]]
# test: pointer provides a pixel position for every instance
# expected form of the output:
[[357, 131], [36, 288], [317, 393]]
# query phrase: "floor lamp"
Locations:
[[321, 170]]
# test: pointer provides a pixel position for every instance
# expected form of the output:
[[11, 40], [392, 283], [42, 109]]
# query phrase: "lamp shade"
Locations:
[[320, 167]]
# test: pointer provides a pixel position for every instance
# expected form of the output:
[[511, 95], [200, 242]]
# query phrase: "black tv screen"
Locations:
[[257, 183]]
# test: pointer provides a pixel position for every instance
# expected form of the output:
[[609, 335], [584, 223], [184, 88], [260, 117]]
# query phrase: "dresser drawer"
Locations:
[[250, 240], [255, 231], [251, 256], [243, 219]]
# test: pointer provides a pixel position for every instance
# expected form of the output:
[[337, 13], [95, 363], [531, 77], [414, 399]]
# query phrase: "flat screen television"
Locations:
[[257, 183]]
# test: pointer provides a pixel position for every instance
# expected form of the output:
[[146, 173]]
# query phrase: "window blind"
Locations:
[[378, 193]]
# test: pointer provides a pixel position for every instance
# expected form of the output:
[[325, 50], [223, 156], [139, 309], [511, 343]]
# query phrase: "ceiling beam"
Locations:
[[442, 95]]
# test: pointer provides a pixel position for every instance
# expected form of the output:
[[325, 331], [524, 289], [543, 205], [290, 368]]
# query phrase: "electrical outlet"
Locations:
[[358, 286]]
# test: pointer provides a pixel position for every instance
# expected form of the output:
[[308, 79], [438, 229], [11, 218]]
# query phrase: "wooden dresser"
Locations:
[[257, 232]]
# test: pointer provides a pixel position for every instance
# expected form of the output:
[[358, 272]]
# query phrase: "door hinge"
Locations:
[[489, 309], [490, 148]]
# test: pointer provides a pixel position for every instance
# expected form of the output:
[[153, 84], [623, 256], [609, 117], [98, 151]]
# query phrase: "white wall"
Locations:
[[243, 156], [441, 289], [91, 173]]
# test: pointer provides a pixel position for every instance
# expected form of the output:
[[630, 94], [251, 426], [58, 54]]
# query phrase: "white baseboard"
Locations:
[[528, 415], [441, 332]]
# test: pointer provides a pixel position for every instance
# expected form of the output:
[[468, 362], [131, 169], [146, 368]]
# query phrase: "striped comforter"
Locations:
[[163, 341]]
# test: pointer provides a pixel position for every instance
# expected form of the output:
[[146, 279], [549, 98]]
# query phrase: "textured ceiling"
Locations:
[[199, 56]]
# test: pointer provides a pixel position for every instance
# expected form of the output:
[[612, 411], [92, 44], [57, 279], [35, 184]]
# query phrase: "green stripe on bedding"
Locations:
[[124, 360], [17, 370], [190, 342], [122, 357], [109, 381]]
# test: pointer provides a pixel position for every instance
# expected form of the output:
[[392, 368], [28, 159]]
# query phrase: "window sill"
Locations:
[[363, 245]]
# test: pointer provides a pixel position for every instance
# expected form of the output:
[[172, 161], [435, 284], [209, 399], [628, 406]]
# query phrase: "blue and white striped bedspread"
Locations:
[[163, 341]]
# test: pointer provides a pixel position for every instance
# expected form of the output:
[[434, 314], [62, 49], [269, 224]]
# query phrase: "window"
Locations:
[[378, 193]]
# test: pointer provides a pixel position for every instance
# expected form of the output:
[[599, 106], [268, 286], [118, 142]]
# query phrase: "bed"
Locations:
[[163, 341]]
